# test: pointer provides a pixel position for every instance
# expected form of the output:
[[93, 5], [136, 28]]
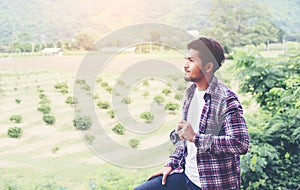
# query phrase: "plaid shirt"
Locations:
[[221, 139]]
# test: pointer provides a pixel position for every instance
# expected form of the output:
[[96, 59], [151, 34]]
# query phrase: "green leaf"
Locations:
[[287, 155]]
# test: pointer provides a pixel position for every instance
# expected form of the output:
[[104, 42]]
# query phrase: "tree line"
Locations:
[[233, 23], [25, 43]]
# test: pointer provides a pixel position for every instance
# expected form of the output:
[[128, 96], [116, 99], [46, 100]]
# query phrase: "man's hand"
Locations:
[[165, 172], [185, 131]]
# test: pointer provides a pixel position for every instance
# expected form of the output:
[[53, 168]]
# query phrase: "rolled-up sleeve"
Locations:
[[233, 138]]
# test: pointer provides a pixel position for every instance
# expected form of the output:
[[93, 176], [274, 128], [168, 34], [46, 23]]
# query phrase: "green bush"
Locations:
[[80, 81], [119, 129], [109, 89], [49, 119], [172, 106], [166, 91], [148, 116], [44, 100], [146, 93], [145, 83], [178, 96], [111, 113], [55, 149], [89, 138], [134, 143], [44, 109], [82, 122], [103, 104], [99, 80], [16, 118], [61, 85], [96, 96], [41, 96], [63, 91], [40, 90], [18, 100], [104, 84], [126, 100], [121, 83], [83, 85], [86, 87], [181, 87], [272, 161], [159, 99], [71, 100], [14, 132]]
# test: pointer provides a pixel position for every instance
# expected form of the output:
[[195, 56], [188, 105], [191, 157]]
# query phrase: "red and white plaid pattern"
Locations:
[[221, 139]]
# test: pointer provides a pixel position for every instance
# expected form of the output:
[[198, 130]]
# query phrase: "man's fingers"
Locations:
[[179, 127], [181, 124], [164, 179], [181, 121], [154, 175]]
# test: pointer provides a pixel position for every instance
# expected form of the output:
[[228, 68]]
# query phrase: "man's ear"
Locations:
[[209, 67]]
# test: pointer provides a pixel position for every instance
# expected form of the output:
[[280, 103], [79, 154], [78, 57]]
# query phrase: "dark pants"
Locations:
[[174, 182]]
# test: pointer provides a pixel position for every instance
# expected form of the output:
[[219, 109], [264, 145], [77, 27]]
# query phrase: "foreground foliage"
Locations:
[[273, 160]]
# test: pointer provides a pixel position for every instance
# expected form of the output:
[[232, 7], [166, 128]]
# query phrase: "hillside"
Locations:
[[53, 20]]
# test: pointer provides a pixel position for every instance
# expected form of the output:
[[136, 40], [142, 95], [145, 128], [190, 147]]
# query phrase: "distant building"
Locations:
[[52, 51], [291, 39]]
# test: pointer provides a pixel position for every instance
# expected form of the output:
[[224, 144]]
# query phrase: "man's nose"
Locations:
[[186, 65]]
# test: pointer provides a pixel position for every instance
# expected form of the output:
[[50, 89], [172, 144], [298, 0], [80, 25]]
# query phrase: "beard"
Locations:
[[192, 79], [187, 79]]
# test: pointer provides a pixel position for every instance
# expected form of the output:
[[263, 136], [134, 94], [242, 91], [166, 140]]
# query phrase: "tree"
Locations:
[[84, 41], [25, 40], [37, 47], [240, 22], [59, 44], [67, 45], [15, 46], [273, 159]]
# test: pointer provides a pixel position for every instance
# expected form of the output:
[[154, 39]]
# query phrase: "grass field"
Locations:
[[30, 161], [55, 156]]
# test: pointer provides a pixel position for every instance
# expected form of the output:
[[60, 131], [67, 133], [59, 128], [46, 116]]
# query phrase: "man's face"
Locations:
[[193, 67]]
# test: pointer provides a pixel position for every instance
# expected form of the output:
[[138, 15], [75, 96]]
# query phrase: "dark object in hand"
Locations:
[[174, 137]]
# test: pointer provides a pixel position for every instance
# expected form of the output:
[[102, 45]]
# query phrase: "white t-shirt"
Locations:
[[193, 117]]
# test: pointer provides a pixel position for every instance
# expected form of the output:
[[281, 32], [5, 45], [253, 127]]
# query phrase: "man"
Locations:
[[213, 131]]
